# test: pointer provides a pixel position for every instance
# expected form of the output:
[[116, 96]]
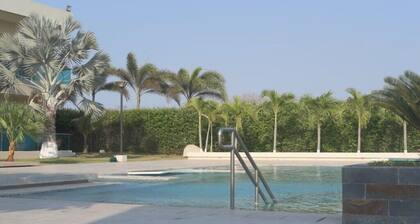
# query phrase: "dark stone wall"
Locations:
[[381, 194]]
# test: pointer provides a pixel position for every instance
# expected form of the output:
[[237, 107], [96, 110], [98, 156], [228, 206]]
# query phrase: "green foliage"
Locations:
[[207, 84], [319, 109], [113, 159], [401, 95], [33, 59], [170, 130], [165, 131], [360, 104], [143, 79], [18, 120]]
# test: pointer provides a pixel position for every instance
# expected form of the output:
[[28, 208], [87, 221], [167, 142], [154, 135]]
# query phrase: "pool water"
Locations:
[[298, 189]]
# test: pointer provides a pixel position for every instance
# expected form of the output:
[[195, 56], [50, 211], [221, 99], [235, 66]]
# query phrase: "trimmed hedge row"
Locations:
[[145, 131], [170, 130]]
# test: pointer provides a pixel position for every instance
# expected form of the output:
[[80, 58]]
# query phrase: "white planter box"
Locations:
[[121, 158]]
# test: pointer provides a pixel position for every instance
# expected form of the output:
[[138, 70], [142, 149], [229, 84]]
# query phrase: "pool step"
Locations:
[[17, 181], [44, 184]]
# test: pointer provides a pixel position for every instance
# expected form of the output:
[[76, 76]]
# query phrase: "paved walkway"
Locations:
[[23, 211]]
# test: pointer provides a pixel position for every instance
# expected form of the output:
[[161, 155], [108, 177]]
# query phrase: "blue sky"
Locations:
[[290, 46]]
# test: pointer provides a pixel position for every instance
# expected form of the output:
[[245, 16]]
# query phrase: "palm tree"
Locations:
[[276, 103], [360, 104], [18, 120], [319, 109], [238, 109], [211, 113], [100, 84], [222, 111], [145, 79], [33, 61], [199, 105], [208, 84], [401, 96]]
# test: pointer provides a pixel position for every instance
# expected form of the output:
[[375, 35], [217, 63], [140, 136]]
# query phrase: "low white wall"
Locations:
[[305, 156]]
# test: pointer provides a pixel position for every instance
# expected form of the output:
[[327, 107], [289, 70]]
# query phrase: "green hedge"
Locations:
[[145, 131], [170, 130]]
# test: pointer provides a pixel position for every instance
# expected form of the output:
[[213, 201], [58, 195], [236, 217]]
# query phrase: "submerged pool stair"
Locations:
[[235, 146]]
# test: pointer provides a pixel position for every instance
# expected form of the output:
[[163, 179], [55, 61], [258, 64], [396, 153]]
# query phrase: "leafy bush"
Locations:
[[168, 131]]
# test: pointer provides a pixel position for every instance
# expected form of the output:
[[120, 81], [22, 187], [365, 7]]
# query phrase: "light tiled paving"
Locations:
[[23, 211]]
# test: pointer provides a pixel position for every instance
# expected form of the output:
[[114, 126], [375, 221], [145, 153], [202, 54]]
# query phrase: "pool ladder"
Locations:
[[237, 144]]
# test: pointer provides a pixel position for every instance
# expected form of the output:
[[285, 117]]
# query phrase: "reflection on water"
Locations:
[[298, 189]]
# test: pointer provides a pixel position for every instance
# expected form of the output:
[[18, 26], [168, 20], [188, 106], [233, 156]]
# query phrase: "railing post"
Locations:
[[232, 178], [256, 199]]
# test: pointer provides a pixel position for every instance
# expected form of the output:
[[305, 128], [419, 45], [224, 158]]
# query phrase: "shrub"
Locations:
[[168, 131]]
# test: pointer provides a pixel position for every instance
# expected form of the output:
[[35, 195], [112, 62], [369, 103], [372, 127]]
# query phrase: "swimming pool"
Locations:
[[298, 189]]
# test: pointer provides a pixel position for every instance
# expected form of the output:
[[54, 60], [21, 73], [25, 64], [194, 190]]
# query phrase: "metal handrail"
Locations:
[[234, 151]]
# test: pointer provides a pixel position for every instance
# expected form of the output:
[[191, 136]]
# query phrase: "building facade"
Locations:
[[12, 11]]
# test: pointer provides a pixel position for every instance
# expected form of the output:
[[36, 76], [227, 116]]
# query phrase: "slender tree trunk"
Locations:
[[85, 144], [200, 141], [207, 136], [359, 137], [211, 138], [405, 137], [12, 148], [318, 147], [92, 138], [138, 100], [237, 124], [275, 133]]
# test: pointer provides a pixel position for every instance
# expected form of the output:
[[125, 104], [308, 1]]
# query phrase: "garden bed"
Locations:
[[397, 163]]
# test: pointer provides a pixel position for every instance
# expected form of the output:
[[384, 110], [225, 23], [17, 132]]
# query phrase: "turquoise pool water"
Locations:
[[299, 189]]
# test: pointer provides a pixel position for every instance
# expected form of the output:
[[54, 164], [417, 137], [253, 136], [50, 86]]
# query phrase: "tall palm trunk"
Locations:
[[275, 133], [211, 138], [359, 136], [50, 126], [138, 100], [200, 141], [49, 145], [12, 149], [207, 136], [405, 137], [318, 147], [237, 125], [92, 139]]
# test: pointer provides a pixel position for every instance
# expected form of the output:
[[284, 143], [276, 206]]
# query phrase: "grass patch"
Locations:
[[397, 162], [101, 158]]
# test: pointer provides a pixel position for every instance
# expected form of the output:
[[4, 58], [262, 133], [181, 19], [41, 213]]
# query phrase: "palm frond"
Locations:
[[115, 86], [402, 96]]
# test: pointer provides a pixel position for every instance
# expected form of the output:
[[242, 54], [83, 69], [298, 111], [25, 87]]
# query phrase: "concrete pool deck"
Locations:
[[20, 211]]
